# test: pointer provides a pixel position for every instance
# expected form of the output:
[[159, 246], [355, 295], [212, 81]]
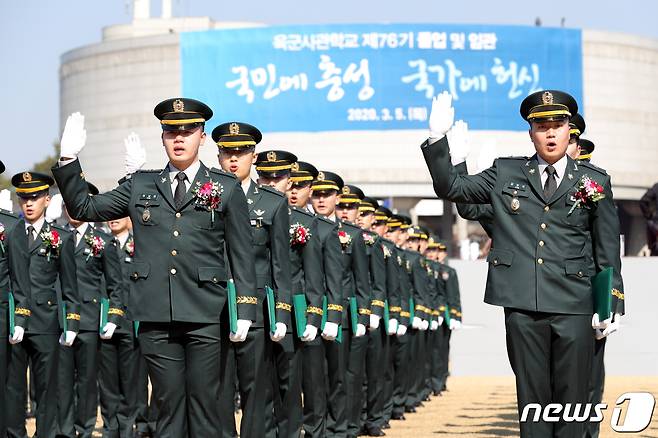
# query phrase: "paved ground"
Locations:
[[485, 407]]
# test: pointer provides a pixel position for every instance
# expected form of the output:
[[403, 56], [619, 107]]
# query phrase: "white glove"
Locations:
[[66, 339], [374, 321], [54, 210], [5, 200], [488, 154], [241, 332], [74, 136], [458, 142], [392, 326], [279, 332], [402, 330], [108, 330], [604, 328], [330, 331], [424, 325], [440, 321], [19, 332], [310, 333], [135, 153], [360, 330], [434, 325], [442, 115], [416, 323], [455, 324]]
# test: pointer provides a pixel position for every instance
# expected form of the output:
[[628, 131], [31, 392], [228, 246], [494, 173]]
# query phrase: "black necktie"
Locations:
[[550, 186], [30, 236], [179, 194]]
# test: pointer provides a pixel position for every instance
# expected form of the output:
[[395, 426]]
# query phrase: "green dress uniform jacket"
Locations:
[[332, 262], [375, 253], [483, 213], [420, 284], [392, 271], [356, 277], [404, 270]]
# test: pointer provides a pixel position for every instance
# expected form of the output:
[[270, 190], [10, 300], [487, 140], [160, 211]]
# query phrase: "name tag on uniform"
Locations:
[[128, 259], [257, 222]]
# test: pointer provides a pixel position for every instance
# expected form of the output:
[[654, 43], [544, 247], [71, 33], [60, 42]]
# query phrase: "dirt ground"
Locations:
[[485, 407]]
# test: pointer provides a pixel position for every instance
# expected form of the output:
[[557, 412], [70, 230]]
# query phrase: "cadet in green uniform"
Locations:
[[438, 309], [452, 308], [270, 224], [7, 222], [539, 269], [120, 359], [99, 278], [185, 217], [316, 356], [45, 252], [586, 149]]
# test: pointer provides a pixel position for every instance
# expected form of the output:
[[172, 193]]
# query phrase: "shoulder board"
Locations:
[[303, 211], [148, 171], [58, 228], [386, 241], [350, 226], [103, 234], [325, 220], [217, 171], [8, 213], [514, 158], [589, 165], [271, 190]]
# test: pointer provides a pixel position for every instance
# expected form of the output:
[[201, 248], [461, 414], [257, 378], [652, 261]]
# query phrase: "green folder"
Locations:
[[339, 337], [12, 314], [602, 293], [271, 308], [105, 307], [354, 314], [65, 323], [232, 307], [412, 311], [446, 316], [299, 306], [136, 327], [387, 315]]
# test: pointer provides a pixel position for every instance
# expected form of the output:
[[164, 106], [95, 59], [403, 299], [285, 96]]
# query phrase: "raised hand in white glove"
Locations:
[[458, 142], [19, 332], [330, 331], [5, 200], [66, 339], [455, 324], [402, 330], [74, 136], [602, 329], [135, 153], [108, 330], [488, 154], [392, 326], [416, 323], [310, 332], [434, 325], [241, 331], [424, 325], [374, 321], [360, 330], [442, 115], [279, 332], [54, 210]]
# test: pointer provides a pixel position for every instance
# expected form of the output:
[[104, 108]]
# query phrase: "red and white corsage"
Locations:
[[299, 234]]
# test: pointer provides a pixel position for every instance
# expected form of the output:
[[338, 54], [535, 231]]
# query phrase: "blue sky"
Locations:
[[34, 33]]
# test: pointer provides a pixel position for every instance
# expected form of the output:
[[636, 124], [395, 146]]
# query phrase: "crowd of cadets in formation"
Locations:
[[358, 319]]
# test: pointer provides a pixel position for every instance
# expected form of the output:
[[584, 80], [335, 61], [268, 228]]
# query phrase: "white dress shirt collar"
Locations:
[[38, 225]]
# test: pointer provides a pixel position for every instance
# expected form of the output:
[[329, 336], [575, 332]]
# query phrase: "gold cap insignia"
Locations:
[[179, 106], [547, 98], [234, 129], [346, 190], [321, 176], [27, 176], [294, 167], [271, 156]]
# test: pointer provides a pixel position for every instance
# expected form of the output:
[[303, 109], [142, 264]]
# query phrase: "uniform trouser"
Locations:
[[248, 361], [285, 391], [77, 387], [377, 361], [417, 359], [436, 373], [314, 382], [43, 350], [182, 362], [119, 384], [445, 334], [401, 366], [551, 355], [337, 408], [389, 378], [4, 361], [355, 378], [426, 385], [596, 385], [146, 412]]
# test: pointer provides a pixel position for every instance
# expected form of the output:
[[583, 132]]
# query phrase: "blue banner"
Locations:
[[376, 76]]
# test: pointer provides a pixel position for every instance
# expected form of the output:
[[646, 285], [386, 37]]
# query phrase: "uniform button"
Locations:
[[495, 261], [541, 243], [135, 275], [173, 271], [543, 226], [50, 303], [178, 214], [214, 279], [546, 208], [94, 300], [174, 252], [540, 261], [176, 233], [515, 192], [580, 273]]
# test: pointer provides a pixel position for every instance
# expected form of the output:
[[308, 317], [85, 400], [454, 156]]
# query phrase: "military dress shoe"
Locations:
[[409, 409], [375, 431], [398, 416], [386, 425]]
